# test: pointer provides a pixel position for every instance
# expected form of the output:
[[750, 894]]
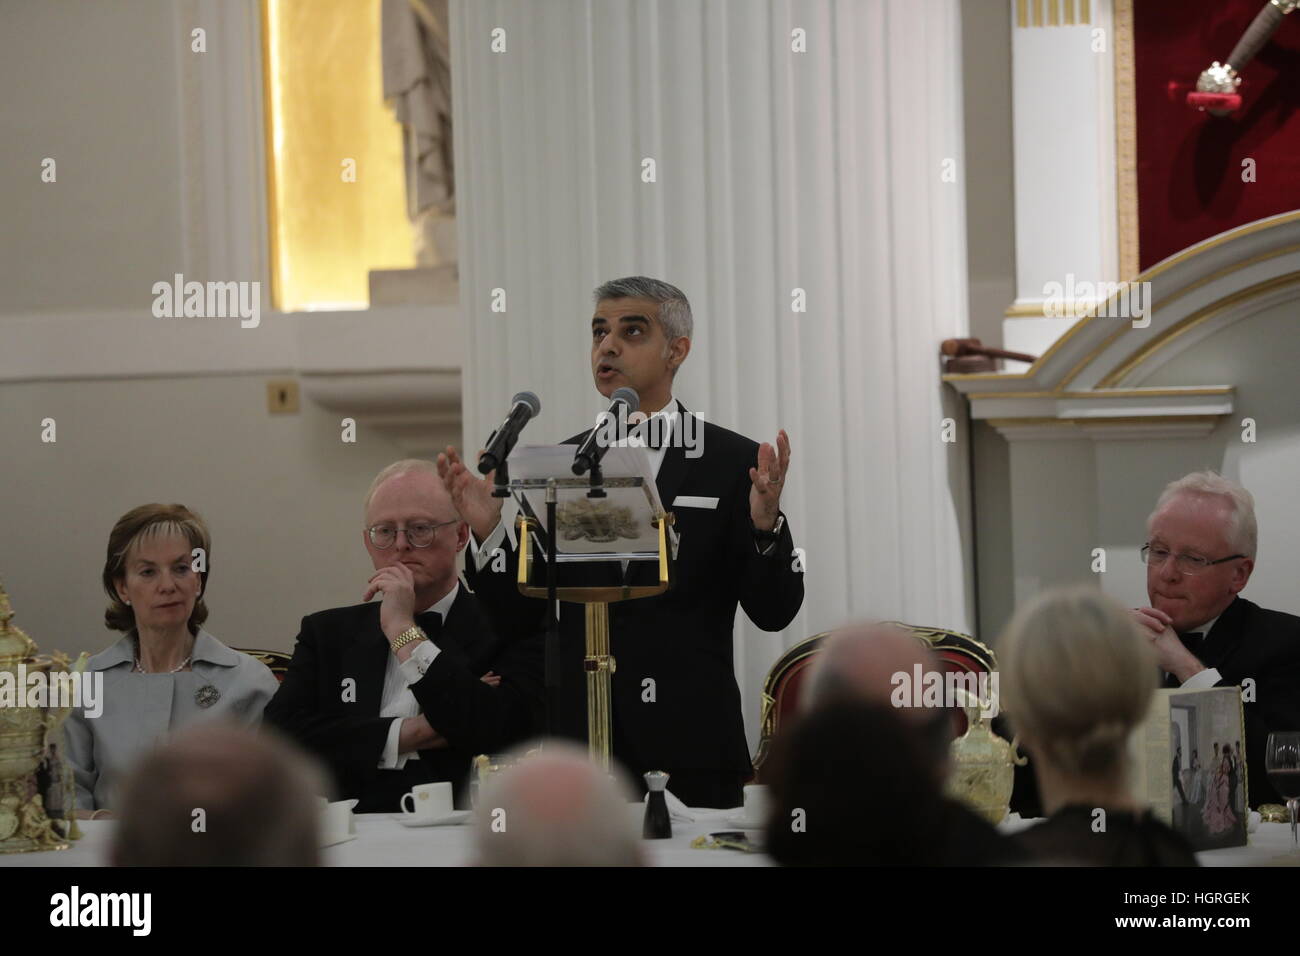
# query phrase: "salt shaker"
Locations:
[[657, 824]]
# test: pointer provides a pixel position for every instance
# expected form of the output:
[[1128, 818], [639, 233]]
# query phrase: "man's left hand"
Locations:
[[1171, 655], [768, 480]]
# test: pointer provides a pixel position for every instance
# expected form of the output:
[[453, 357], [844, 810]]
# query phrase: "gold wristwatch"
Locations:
[[412, 633]]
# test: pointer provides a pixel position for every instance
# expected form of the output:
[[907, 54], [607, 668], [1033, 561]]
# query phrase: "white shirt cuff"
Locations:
[[413, 667], [483, 552], [1206, 678], [391, 758]]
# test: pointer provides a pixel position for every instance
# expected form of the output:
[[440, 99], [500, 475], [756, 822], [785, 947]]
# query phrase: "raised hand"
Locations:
[[768, 480], [471, 495]]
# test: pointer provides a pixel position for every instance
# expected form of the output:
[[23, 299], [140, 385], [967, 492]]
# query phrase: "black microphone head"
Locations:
[[627, 395], [530, 399]]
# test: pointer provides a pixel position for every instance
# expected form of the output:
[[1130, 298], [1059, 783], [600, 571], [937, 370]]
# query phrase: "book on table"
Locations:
[[1190, 767]]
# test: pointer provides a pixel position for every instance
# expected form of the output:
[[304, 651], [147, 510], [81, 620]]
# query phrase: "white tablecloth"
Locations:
[[1270, 845], [382, 841]]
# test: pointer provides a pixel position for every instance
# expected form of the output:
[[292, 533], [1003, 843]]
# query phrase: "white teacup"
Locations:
[[429, 801], [336, 821], [758, 803]]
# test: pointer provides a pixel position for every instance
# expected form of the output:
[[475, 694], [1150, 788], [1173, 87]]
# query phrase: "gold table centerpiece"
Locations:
[[25, 734]]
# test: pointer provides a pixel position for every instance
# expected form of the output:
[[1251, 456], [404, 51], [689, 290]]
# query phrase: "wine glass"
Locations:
[[1282, 761]]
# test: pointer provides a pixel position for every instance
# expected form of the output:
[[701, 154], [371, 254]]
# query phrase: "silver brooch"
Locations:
[[207, 695]]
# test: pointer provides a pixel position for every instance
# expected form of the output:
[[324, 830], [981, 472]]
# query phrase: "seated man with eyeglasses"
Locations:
[[1199, 554], [407, 690]]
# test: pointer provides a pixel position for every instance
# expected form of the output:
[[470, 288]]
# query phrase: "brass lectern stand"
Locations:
[[598, 663]]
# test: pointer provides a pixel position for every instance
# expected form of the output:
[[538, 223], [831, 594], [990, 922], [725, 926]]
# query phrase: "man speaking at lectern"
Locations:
[[675, 704]]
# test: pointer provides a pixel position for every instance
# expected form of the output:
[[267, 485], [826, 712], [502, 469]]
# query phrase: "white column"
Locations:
[[1063, 96], [837, 171]]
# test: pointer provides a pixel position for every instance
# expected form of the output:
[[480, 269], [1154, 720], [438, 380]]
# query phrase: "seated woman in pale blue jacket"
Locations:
[[166, 671]]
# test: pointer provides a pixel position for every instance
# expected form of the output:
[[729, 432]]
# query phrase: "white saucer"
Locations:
[[453, 818], [342, 839], [741, 823]]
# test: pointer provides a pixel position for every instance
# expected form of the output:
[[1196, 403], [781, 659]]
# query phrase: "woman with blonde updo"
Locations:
[[1077, 679]]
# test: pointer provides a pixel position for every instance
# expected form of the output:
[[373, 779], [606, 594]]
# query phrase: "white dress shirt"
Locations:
[[1210, 676], [397, 701]]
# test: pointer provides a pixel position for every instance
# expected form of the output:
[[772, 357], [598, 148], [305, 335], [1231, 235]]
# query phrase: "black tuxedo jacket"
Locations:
[[688, 722], [1251, 642], [349, 735]]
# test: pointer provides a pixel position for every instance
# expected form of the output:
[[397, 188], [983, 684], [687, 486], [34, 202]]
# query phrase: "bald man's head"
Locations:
[[557, 808], [861, 663], [255, 795]]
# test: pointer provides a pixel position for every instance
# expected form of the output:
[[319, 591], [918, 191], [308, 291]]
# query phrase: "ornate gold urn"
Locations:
[[983, 765], [25, 732]]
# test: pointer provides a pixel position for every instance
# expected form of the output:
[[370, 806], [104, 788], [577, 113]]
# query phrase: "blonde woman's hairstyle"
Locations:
[[145, 523], [1077, 677], [1243, 531]]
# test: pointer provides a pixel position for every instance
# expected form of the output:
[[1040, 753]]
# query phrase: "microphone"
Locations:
[[523, 407], [623, 402]]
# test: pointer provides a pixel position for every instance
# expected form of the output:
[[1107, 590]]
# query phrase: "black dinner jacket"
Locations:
[[1248, 641], [680, 640], [349, 736]]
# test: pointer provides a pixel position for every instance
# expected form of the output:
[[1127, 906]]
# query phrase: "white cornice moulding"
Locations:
[[1104, 431], [1091, 380], [396, 368]]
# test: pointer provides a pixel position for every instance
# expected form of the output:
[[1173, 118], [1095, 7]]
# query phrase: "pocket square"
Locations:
[[694, 501]]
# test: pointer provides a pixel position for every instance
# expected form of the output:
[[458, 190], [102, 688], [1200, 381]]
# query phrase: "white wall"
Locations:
[[93, 86], [281, 495], [154, 412]]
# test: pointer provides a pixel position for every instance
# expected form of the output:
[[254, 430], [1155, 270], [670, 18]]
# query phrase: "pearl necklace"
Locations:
[[139, 668]]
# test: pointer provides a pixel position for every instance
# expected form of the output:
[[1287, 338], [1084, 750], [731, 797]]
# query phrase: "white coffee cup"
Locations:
[[758, 803], [429, 801], [336, 821]]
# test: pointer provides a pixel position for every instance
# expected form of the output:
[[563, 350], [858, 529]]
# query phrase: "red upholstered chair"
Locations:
[[278, 661], [956, 652]]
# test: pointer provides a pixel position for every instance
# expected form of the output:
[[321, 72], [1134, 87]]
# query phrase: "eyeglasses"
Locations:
[[1185, 563], [420, 534]]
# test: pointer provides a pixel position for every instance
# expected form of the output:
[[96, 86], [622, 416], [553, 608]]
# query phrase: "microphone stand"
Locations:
[[552, 677]]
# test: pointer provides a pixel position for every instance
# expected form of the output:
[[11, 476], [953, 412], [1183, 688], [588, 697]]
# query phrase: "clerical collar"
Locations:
[[1204, 629]]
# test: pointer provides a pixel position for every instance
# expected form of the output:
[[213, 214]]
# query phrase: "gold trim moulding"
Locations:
[[1217, 391], [1190, 322], [1052, 13], [1158, 269], [1126, 188], [1090, 422]]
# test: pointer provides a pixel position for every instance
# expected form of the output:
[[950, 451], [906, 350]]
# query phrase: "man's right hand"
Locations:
[[470, 495]]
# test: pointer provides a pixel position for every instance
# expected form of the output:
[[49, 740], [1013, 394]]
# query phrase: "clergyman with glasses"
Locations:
[[1199, 553], [407, 689]]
